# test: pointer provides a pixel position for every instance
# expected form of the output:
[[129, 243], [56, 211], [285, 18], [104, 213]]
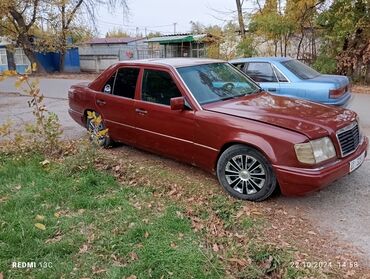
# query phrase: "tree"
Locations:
[[18, 20], [22, 22], [346, 36], [240, 18], [116, 33]]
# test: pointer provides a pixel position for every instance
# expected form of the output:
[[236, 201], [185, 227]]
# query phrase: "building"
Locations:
[[12, 58], [99, 53], [181, 45]]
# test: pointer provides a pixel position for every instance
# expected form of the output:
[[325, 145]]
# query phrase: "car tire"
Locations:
[[103, 141], [245, 173]]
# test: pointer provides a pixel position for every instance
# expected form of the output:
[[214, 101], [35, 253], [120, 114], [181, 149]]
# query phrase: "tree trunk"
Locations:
[[240, 19], [10, 58], [25, 43], [61, 61], [300, 44]]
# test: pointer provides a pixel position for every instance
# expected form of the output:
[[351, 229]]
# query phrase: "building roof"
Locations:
[[178, 38], [174, 62], [100, 41]]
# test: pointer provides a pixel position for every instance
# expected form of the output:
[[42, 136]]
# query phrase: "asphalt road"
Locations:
[[342, 208], [13, 103]]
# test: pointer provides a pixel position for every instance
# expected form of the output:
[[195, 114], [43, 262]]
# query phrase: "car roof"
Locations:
[[261, 59], [174, 62]]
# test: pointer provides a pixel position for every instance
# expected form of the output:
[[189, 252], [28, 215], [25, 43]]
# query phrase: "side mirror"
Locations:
[[177, 103]]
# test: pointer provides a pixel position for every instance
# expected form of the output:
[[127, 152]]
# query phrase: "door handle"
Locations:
[[100, 102], [271, 89], [141, 111]]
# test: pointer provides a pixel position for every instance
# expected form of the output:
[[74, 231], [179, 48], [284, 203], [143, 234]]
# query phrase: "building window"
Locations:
[[198, 50], [3, 59], [20, 57]]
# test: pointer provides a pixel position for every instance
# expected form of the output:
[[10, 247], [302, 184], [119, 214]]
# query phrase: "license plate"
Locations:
[[354, 164]]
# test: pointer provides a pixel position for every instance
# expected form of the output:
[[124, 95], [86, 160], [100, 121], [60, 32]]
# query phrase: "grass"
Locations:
[[147, 223], [94, 227]]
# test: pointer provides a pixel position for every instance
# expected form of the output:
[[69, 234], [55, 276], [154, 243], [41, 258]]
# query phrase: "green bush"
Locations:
[[325, 64]]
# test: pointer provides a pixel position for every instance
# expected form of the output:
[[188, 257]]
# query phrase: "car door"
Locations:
[[162, 130], [117, 105], [263, 73]]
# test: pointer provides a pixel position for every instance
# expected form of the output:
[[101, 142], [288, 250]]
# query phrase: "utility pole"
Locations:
[[145, 30], [174, 27]]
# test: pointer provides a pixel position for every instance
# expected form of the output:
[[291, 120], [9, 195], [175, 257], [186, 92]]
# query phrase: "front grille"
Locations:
[[349, 138]]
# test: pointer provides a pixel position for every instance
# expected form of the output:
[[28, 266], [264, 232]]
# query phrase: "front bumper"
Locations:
[[299, 181]]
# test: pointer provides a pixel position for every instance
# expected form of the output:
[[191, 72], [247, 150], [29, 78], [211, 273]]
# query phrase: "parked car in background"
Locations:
[[289, 77], [207, 113]]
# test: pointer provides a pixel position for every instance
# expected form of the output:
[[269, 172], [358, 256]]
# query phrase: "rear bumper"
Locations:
[[342, 101], [77, 116], [299, 181]]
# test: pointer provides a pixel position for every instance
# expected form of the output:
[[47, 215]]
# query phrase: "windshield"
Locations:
[[215, 82], [300, 70]]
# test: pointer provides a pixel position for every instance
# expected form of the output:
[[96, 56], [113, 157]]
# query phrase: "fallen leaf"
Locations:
[[83, 249], [311, 233], [97, 270], [267, 263], [146, 235], [40, 226], [39, 218], [56, 215], [215, 247], [45, 162], [173, 245], [241, 262], [56, 237], [133, 256]]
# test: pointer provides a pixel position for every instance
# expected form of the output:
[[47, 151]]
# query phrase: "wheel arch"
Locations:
[[258, 143], [84, 117]]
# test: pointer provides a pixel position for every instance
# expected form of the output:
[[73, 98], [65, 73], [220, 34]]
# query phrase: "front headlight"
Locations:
[[315, 151]]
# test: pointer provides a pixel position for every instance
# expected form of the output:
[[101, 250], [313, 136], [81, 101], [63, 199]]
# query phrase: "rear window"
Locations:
[[300, 69]]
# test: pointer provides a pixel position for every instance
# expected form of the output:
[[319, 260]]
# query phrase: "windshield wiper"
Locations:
[[259, 90], [228, 98]]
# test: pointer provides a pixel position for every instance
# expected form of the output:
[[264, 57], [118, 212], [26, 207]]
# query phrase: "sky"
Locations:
[[159, 15]]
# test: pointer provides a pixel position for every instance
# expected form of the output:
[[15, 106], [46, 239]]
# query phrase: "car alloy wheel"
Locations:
[[245, 173], [95, 133]]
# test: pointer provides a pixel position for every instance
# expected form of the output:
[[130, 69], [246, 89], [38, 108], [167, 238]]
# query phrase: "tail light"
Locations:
[[336, 93]]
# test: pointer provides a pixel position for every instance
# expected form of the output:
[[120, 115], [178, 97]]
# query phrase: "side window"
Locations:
[[280, 76], [158, 87], [108, 87], [240, 66], [125, 83], [261, 72]]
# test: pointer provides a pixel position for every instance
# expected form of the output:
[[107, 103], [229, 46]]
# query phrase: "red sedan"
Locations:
[[209, 114]]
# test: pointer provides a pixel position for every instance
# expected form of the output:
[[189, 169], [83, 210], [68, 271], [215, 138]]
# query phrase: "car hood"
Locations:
[[339, 81], [308, 118]]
